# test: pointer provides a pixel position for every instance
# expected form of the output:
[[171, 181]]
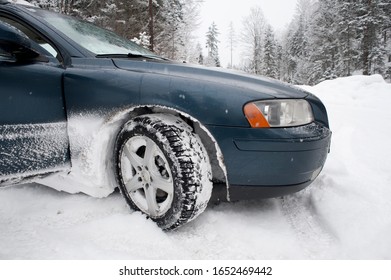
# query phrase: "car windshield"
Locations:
[[93, 38]]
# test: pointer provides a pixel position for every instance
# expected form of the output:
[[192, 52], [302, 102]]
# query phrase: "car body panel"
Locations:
[[113, 88], [273, 157], [241, 82], [33, 130], [187, 86]]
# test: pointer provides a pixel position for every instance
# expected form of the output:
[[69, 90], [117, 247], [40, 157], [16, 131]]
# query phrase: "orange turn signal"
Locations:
[[255, 116]]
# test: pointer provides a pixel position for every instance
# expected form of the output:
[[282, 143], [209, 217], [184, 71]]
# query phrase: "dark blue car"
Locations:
[[84, 110]]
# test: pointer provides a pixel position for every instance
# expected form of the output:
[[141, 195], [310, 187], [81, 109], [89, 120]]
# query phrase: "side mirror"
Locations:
[[15, 47]]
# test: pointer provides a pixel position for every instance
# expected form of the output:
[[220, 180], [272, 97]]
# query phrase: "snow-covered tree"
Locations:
[[324, 52], [252, 37], [325, 39], [171, 33], [297, 45], [347, 32], [191, 20], [270, 58], [232, 41], [143, 40], [212, 46], [332, 38], [199, 54], [371, 17], [168, 38]]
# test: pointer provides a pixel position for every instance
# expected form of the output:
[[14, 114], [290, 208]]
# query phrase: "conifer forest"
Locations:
[[324, 40]]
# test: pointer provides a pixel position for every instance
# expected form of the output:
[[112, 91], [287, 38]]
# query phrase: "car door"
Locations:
[[33, 127]]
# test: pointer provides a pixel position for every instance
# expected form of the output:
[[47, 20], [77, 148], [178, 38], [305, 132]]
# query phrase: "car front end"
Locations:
[[274, 138], [282, 151]]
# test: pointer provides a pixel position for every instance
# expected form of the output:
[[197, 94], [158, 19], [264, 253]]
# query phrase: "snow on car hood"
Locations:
[[243, 81]]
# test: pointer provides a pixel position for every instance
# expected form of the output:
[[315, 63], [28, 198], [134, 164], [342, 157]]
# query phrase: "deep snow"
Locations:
[[345, 214]]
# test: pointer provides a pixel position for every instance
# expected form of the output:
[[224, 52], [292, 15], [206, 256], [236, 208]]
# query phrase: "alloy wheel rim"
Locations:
[[147, 176]]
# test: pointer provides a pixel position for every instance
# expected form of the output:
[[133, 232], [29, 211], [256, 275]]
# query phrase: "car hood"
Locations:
[[250, 83]]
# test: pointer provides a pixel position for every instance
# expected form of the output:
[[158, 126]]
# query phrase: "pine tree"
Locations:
[[386, 31], [372, 17], [324, 45], [191, 20], [170, 34], [168, 37], [297, 45], [347, 32], [325, 39], [269, 61], [200, 55], [143, 40], [212, 46]]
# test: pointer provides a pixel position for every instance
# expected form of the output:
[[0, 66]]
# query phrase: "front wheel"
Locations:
[[163, 169]]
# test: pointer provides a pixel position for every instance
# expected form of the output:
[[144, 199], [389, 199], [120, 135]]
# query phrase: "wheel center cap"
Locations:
[[146, 176]]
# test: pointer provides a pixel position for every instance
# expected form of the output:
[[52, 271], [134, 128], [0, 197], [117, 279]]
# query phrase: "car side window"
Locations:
[[39, 43]]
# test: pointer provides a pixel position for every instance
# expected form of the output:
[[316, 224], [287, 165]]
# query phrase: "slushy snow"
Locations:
[[344, 214]]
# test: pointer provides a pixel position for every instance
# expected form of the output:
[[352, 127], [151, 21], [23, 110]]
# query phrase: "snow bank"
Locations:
[[353, 193], [345, 214]]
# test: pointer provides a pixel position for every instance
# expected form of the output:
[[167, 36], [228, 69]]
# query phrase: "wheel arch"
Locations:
[[219, 173], [90, 133]]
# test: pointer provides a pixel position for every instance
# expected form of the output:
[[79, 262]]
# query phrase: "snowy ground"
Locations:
[[345, 214]]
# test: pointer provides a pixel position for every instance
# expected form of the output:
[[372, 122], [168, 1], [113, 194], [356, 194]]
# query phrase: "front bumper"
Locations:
[[272, 162]]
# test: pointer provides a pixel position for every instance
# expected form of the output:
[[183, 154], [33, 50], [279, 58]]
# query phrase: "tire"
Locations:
[[163, 169]]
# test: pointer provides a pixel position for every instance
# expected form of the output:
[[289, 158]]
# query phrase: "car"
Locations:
[[84, 110]]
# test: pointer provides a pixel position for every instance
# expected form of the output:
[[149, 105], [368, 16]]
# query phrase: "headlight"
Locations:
[[278, 113]]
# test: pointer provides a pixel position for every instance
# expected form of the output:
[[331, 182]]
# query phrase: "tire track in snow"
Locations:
[[314, 235]]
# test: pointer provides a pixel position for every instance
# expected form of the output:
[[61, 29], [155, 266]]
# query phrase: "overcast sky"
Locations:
[[277, 12]]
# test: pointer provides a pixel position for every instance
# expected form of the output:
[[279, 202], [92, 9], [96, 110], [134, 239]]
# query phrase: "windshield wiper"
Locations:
[[131, 55]]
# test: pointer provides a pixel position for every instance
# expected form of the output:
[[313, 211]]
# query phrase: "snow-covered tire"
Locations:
[[163, 169]]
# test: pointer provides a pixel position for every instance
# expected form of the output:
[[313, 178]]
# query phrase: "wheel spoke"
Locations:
[[162, 184], [133, 185], [133, 158], [150, 151], [150, 195]]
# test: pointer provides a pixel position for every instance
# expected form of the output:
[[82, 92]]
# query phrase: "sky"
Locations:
[[278, 13]]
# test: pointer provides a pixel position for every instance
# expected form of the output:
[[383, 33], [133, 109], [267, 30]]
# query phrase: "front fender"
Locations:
[[210, 103]]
